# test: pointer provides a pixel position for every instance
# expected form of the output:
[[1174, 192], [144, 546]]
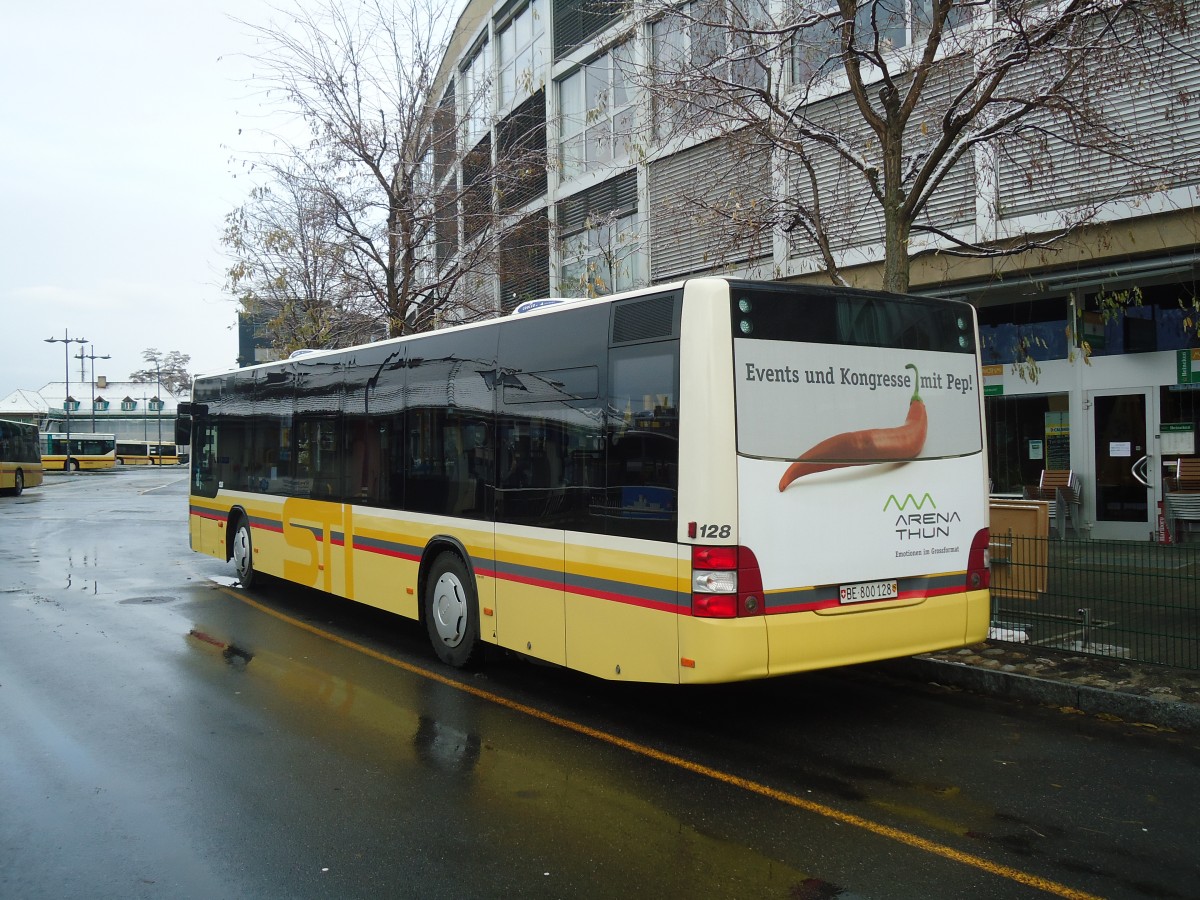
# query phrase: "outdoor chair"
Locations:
[[1061, 488], [1181, 495]]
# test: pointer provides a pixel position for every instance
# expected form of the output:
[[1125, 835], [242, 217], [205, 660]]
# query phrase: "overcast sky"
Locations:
[[117, 123]]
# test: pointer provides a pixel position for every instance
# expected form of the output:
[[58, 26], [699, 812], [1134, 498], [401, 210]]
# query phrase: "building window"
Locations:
[[525, 262], [603, 258], [521, 154], [578, 21], [100, 404], [476, 85], [879, 26], [596, 112], [600, 248], [156, 405], [817, 50], [1014, 333], [922, 18], [698, 60], [128, 404], [71, 404], [445, 138], [1025, 435], [477, 175], [519, 55]]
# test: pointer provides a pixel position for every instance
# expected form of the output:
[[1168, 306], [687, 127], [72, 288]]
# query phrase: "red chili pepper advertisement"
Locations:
[[844, 447]]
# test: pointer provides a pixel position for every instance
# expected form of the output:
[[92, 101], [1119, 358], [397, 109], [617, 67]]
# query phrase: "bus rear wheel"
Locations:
[[242, 553], [452, 612], [18, 483]]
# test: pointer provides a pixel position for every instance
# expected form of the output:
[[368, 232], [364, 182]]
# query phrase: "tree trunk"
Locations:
[[895, 225], [895, 261]]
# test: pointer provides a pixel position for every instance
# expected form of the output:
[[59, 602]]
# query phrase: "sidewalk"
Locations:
[[1110, 688]]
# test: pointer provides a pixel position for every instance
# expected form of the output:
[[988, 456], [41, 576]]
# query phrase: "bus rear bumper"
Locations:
[[804, 641]]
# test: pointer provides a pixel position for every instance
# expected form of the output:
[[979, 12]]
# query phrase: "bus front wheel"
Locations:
[[243, 554], [452, 612]]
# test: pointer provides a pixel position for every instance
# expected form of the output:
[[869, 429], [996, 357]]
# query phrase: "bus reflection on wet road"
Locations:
[[169, 734], [497, 802]]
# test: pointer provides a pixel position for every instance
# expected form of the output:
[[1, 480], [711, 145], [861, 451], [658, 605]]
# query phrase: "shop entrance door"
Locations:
[[1125, 484]]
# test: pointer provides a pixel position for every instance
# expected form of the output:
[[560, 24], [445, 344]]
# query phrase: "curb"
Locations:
[[1132, 708]]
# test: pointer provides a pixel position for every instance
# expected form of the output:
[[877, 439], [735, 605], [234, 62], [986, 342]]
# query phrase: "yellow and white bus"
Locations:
[[706, 481], [147, 453], [20, 456], [88, 451]]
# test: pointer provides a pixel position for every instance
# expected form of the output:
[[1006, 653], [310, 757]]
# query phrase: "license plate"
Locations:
[[869, 590]]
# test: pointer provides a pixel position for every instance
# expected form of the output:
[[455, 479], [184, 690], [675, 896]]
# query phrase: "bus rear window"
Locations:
[[855, 318], [840, 373]]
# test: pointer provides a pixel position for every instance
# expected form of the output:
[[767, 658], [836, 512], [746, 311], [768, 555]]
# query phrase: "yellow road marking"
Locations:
[[753, 787]]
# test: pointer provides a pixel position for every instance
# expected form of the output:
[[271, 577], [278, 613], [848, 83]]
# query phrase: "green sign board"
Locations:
[[993, 390], [1187, 366], [1178, 438]]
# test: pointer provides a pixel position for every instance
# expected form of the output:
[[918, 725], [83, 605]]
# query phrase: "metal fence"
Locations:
[[1128, 600]]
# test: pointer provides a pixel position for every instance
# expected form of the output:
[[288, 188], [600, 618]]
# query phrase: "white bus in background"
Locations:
[[87, 451], [147, 453]]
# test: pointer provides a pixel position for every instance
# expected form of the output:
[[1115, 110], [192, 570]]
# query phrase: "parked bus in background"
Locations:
[[88, 451], [20, 456], [147, 453], [707, 481]]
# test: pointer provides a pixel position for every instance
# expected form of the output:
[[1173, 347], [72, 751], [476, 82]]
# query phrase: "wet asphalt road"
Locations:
[[165, 734]]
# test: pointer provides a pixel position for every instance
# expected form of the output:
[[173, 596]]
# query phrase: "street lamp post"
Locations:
[[91, 354], [158, 375], [66, 340]]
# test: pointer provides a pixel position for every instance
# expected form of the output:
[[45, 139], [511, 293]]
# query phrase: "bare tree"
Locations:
[[414, 213], [289, 268], [873, 119], [172, 367]]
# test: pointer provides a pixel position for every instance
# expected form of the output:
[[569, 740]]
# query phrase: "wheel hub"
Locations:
[[449, 610]]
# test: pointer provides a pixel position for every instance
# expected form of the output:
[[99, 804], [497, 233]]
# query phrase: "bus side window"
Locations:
[[643, 440], [367, 449], [205, 478]]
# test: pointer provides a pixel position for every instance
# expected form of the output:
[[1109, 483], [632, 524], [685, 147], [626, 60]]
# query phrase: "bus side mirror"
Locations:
[[183, 431]]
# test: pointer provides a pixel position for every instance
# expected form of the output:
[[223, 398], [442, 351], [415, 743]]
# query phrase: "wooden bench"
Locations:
[[1181, 494], [1187, 475], [1061, 488]]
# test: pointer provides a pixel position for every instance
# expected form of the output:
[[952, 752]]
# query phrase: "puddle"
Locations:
[[225, 580], [232, 654], [159, 598]]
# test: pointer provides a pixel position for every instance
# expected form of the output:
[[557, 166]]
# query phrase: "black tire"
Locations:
[[18, 483], [241, 551], [452, 612]]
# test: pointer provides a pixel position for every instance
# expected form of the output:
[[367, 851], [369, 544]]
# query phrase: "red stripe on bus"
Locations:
[[630, 600], [533, 582], [386, 551], [627, 599]]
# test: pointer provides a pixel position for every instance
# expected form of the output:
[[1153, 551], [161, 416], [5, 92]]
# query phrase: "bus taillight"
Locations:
[[979, 575], [726, 583]]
